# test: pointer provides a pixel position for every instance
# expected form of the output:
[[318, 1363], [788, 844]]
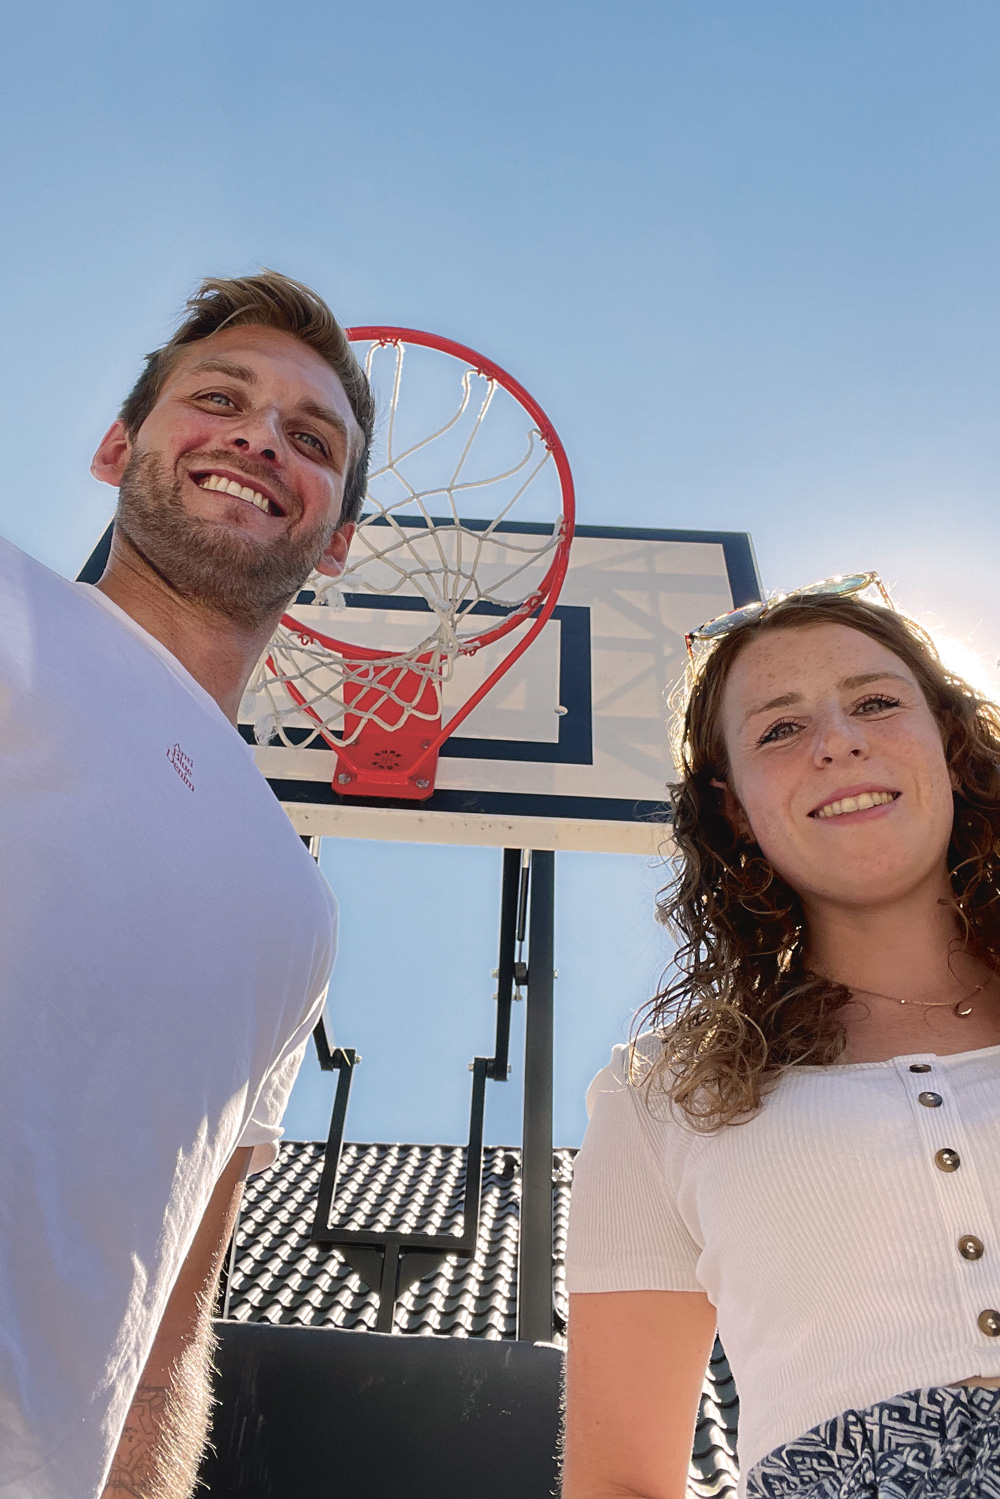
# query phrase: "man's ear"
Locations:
[[112, 455], [334, 559], [733, 812]]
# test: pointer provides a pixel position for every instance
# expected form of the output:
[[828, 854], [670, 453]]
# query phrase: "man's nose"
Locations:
[[244, 445], [259, 434]]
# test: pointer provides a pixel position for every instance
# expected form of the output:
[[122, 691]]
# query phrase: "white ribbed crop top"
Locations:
[[837, 1233]]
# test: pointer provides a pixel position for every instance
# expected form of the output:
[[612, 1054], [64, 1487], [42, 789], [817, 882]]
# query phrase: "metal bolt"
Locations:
[[494, 973], [561, 711], [344, 778], [422, 783]]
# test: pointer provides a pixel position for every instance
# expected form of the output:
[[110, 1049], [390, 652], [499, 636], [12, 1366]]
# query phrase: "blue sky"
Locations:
[[744, 254]]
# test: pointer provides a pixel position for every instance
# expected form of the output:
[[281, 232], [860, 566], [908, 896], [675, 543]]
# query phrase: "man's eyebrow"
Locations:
[[848, 684], [325, 414], [215, 366]]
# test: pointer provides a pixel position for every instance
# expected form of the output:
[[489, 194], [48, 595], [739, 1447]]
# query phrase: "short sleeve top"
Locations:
[[830, 1231]]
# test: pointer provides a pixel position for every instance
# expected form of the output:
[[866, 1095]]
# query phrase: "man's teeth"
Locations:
[[242, 492], [856, 803]]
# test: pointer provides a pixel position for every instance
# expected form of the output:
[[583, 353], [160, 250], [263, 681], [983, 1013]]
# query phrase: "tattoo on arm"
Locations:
[[161, 1445]]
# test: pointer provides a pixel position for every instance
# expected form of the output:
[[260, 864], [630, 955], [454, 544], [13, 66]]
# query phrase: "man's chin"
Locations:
[[219, 564]]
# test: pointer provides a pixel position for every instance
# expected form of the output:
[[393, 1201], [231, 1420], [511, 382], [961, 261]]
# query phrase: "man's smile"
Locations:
[[217, 480]]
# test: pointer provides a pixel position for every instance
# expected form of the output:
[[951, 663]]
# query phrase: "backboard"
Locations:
[[569, 750]]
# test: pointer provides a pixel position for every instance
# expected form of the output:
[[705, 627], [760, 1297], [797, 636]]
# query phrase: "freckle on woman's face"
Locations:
[[837, 763]]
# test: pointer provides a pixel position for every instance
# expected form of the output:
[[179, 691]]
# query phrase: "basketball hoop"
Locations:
[[442, 587]]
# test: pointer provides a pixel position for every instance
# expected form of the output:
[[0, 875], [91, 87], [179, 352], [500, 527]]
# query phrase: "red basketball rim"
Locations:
[[542, 600]]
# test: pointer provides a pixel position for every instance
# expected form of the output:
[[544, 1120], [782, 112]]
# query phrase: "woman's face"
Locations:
[[837, 767]]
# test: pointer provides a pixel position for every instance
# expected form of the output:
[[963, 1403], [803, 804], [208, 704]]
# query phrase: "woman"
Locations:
[[805, 1146]]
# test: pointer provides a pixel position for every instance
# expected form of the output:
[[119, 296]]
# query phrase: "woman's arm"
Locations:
[[634, 1372]]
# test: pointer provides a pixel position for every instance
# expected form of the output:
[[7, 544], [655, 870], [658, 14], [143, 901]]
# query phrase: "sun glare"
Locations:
[[961, 658]]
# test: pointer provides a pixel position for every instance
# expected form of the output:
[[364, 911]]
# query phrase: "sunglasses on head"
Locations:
[[840, 587]]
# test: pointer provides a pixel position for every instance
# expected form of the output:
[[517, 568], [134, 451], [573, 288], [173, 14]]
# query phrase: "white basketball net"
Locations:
[[403, 550]]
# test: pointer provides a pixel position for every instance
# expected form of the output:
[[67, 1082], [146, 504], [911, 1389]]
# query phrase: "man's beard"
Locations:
[[214, 565]]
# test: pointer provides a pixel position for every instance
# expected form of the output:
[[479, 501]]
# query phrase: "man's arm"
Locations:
[[165, 1432]]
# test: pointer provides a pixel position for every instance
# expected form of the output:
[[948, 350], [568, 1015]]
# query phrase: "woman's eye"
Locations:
[[311, 440], [877, 703], [778, 731]]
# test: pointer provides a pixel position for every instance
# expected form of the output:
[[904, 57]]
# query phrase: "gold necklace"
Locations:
[[962, 1007]]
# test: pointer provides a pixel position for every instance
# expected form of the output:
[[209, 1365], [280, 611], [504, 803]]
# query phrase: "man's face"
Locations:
[[251, 410]]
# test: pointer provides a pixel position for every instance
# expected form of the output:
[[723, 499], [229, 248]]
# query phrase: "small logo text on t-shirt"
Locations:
[[183, 764]]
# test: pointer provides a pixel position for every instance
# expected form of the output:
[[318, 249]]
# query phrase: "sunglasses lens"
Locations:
[[840, 587], [726, 622]]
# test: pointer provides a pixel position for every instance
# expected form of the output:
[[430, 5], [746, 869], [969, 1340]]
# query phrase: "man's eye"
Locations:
[[778, 731], [877, 703], [217, 397], [311, 440]]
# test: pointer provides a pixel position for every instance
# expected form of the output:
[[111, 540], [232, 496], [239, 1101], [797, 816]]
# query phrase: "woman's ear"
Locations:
[[733, 812]]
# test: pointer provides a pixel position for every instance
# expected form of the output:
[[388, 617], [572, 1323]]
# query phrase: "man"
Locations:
[[165, 938]]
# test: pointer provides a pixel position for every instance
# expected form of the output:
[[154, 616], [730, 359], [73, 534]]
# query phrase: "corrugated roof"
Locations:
[[279, 1277]]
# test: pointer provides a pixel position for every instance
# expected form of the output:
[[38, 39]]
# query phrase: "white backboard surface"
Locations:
[[570, 749]]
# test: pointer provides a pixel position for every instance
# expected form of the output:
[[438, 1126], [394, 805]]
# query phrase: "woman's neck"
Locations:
[[906, 947], [908, 950]]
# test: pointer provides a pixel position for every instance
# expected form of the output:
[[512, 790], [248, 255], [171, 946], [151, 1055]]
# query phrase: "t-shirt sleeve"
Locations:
[[263, 1129], [625, 1230]]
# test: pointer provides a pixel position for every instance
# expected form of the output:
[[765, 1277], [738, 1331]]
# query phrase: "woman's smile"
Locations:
[[856, 804]]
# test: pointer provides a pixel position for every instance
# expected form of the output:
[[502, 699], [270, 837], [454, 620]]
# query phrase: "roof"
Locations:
[[279, 1277]]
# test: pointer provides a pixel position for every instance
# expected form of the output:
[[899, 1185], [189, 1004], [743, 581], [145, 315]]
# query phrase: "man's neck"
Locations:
[[218, 653]]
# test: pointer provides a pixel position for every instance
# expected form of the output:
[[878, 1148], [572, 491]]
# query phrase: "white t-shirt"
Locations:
[[830, 1231], [165, 943]]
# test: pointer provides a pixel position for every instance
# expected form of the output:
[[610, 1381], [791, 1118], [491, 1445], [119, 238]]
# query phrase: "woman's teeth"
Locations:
[[857, 803], [242, 491]]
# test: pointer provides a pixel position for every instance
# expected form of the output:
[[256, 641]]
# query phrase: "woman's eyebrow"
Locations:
[[848, 684], [785, 701], [873, 676]]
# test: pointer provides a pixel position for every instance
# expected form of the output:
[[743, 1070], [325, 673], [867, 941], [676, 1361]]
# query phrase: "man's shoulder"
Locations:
[[33, 596], [20, 571]]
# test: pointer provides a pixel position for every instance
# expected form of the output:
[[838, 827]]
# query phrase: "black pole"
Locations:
[[534, 1264], [510, 888]]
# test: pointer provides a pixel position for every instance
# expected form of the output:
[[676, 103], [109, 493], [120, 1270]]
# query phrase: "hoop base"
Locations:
[[398, 756], [358, 776]]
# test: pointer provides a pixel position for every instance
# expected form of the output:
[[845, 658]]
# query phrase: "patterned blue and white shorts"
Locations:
[[939, 1443]]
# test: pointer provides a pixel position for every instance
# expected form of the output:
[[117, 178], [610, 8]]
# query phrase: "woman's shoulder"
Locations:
[[635, 1086], [632, 1117], [632, 1066]]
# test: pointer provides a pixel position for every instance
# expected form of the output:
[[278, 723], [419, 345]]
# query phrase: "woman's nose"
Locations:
[[840, 737]]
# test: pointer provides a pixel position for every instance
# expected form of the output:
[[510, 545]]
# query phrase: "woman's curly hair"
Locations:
[[738, 1004]]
